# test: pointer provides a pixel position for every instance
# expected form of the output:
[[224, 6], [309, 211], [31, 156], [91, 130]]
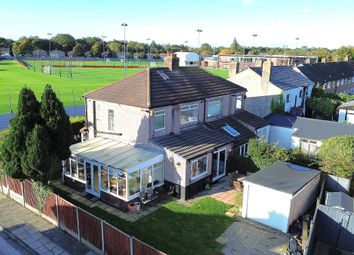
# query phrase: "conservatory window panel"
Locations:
[[104, 178], [73, 167], [122, 185], [158, 173], [134, 183], [113, 181], [147, 178], [67, 167], [81, 169]]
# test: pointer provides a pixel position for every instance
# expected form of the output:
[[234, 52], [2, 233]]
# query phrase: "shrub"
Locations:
[[298, 157], [239, 163]]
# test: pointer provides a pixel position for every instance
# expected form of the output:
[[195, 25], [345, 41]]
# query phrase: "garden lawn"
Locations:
[[223, 73], [13, 77], [175, 229]]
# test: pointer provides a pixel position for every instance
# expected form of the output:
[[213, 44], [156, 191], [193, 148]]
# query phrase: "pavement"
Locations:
[[9, 246], [246, 237], [35, 233]]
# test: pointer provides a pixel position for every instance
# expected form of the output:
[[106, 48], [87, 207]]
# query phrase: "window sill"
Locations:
[[159, 130], [75, 178], [193, 178]]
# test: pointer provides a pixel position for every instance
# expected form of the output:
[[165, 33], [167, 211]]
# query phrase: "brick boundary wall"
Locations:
[[92, 231]]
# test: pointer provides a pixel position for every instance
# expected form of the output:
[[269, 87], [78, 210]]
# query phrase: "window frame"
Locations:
[[110, 118], [194, 106], [238, 98], [192, 178], [287, 98], [213, 101], [158, 113], [243, 149]]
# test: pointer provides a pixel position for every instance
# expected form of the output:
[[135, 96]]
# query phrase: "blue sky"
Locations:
[[326, 23]]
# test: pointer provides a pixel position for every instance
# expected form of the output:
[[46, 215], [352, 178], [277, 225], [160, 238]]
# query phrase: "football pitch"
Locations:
[[69, 83]]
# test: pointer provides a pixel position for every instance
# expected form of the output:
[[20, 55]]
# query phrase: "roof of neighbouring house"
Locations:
[[113, 153], [285, 78], [157, 87], [193, 142], [282, 176], [340, 200], [347, 105], [314, 129], [244, 133], [250, 119], [331, 71], [190, 56]]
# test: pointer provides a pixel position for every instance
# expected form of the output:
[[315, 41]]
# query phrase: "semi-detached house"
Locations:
[[163, 128]]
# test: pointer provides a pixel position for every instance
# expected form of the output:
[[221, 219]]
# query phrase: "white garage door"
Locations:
[[267, 206]]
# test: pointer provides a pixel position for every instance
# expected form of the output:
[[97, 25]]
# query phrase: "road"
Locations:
[[9, 246]]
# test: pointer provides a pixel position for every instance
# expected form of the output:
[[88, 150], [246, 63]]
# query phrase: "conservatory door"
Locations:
[[219, 164], [92, 178]]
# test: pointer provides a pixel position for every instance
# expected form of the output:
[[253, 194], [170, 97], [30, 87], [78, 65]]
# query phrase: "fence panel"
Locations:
[[50, 207], [29, 195], [67, 216], [141, 248], [14, 185], [90, 229], [115, 241]]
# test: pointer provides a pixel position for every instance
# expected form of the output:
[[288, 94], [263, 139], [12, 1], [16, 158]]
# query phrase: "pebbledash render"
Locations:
[[162, 130]]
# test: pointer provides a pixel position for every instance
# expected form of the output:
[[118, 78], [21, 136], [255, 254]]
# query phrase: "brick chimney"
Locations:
[[266, 72], [234, 68], [171, 61]]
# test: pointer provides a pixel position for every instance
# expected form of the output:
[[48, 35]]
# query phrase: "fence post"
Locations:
[[23, 194], [131, 245], [57, 209], [78, 223], [102, 237]]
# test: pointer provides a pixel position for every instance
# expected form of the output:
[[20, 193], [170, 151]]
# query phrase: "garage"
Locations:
[[278, 195]]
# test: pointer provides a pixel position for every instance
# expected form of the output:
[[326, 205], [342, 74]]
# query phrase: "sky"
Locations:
[[317, 23]]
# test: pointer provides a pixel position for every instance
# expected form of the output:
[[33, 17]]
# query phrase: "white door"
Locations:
[[219, 164], [92, 171], [267, 206]]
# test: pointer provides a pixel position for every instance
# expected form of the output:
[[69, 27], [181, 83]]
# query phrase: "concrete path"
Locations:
[[36, 233], [245, 237], [9, 246]]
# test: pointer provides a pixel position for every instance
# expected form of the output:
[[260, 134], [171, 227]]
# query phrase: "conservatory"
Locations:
[[102, 167]]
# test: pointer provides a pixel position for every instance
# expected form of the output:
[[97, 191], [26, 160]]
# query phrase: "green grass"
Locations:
[[175, 228], [223, 73], [70, 90]]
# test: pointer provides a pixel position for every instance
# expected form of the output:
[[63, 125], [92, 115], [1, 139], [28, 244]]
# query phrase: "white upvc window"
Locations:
[[189, 114], [262, 133], [214, 108], [110, 120], [308, 146], [238, 103], [243, 149], [199, 167], [159, 120]]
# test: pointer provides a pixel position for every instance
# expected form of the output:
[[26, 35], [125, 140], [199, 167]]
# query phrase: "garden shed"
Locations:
[[278, 195]]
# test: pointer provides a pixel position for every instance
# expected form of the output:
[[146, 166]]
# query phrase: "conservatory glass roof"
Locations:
[[115, 154]]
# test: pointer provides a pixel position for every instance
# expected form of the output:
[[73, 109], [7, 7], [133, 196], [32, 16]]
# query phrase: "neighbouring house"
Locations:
[[57, 54], [39, 53], [188, 58], [267, 83], [292, 132], [346, 112], [278, 195], [332, 77], [155, 131]]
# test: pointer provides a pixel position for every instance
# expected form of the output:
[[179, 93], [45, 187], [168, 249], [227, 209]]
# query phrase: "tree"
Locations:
[[235, 47], [78, 50], [36, 162], [58, 125], [336, 156], [264, 154], [13, 147], [114, 47], [205, 49], [22, 46], [322, 107], [225, 51], [278, 105], [64, 42], [96, 49]]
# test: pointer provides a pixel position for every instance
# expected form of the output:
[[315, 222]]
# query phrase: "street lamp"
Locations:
[[254, 39], [49, 39], [103, 37], [148, 43], [199, 31], [124, 25]]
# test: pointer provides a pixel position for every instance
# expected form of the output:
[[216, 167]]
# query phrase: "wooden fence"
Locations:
[[82, 225]]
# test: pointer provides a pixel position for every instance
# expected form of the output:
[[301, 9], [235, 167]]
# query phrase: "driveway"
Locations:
[[245, 237]]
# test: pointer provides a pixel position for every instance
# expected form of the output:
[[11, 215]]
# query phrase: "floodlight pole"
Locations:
[[50, 40], [103, 37], [199, 31], [124, 25], [148, 43]]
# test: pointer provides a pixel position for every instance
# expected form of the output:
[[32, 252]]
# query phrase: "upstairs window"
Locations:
[[159, 120], [110, 120], [214, 108], [189, 114], [238, 102]]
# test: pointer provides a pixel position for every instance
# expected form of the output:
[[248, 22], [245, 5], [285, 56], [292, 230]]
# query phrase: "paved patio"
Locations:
[[131, 217], [247, 237]]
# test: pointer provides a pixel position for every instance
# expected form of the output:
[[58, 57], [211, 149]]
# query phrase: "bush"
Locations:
[[298, 157], [3, 134], [239, 163]]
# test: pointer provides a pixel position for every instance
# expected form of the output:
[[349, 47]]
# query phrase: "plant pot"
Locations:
[[132, 207]]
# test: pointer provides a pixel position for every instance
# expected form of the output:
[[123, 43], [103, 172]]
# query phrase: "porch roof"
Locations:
[[115, 154]]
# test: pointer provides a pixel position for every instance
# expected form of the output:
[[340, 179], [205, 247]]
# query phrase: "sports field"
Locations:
[[14, 76], [69, 83]]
